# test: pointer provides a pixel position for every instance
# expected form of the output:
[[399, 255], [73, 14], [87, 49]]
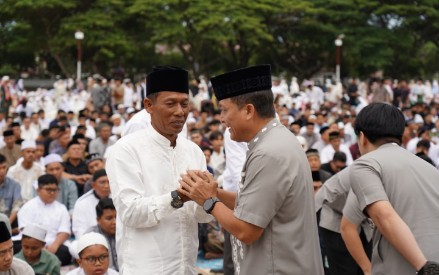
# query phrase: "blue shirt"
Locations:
[[10, 196]]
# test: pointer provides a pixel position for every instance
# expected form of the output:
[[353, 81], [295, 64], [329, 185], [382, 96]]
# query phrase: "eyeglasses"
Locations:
[[92, 259], [4, 252], [51, 190]]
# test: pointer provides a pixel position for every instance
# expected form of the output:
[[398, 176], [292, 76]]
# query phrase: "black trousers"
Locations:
[[63, 255], [339, 259], [228, 267]]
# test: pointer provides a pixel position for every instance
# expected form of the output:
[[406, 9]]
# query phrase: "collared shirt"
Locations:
[[18, 267], [26, 178], [331, 199], [68, 193], [11, 155], [10, 196], [391, 173], [236, 153], [48, 263], [84, 213], [53, 217], [143, 169], [80, 169], [98, 146], [111, 243], [276, 194]]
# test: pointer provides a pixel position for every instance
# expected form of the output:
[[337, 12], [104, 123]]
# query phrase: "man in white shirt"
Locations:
[[335, 145], [26, 172], [46, 212], [83, 218], [27, 131], [159, 231]]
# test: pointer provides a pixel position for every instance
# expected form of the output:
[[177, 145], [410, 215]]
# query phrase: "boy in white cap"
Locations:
[[26, 172], [93, 256], [41, 260], [8, 264], [68, 192]]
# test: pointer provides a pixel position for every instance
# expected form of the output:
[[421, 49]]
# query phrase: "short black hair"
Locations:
[[380, 122], [339, 156], [204, 148], [423, 143], [104, 203], [216, 135], [46, 180], [2, 159], [262, 100]]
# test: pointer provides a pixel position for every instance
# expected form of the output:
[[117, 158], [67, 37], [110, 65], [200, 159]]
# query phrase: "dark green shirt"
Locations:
[[48, 263]]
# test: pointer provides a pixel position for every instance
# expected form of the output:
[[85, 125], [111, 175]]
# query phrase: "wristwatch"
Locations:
[[176, 202], [430, 268], [209, 204]]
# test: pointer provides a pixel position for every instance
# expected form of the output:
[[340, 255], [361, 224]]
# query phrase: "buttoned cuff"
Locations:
[[164, 207]]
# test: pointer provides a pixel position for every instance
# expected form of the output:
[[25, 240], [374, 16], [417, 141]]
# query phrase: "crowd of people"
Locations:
[[57, 146]]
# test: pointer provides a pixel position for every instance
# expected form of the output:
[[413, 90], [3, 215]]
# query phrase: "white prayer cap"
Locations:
[[5, 78], [35, 232], [52, 158], [89, 239], [130, 110], [116, 116], [191, 120], [28, 144], [418, 118]]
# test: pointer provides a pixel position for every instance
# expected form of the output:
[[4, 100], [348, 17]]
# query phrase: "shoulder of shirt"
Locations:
[[20, 263], [10, 180], [85, 196]]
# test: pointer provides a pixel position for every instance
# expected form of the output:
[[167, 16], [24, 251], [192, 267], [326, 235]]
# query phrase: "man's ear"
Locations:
[[250, 110], [147, 104]]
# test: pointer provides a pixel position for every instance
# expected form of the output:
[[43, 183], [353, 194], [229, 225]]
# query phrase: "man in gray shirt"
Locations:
[[398, 191], [273, 224]]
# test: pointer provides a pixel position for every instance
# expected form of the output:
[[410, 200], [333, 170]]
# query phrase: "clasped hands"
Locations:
[[197, 186]]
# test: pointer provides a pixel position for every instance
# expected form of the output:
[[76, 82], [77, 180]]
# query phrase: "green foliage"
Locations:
[[209, 37]]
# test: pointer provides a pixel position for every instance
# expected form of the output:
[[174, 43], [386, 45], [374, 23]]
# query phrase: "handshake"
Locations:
[[197, 186], [430, 268]]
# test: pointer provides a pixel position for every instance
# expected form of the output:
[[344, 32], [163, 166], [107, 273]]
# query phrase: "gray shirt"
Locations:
[[10, 196], [18, 267], [276, 194], [410, 184], [68, 194], [331, 198]]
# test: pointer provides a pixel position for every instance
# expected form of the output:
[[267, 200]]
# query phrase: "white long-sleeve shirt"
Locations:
[[53, 217], [143, 169], [84, 213], [235, 159]]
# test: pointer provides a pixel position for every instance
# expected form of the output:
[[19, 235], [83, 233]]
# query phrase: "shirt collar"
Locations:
[[270, 125], [159, 138]]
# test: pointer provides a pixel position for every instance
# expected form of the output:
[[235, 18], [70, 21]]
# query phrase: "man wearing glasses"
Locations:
[[46, 212]]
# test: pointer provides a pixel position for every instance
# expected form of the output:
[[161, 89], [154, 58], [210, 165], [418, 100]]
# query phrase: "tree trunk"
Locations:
[[60, 63]]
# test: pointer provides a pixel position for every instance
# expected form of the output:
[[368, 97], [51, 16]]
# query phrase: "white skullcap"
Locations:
[[5, 78], [52, 158], [116, 116], [28, 144], [89, 239], [418, 118], [35, 232]]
